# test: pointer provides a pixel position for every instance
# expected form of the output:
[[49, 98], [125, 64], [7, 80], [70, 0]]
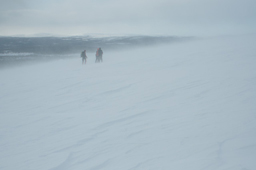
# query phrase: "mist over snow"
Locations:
[[19, 50], [179, 106]]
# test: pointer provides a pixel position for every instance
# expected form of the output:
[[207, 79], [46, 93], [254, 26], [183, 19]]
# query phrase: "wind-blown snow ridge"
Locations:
[[185, 106]]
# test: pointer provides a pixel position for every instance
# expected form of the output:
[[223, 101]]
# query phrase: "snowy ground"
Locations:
[[184, 106]]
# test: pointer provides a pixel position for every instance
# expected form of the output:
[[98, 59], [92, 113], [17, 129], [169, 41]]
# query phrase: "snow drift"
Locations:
[[184, 106]]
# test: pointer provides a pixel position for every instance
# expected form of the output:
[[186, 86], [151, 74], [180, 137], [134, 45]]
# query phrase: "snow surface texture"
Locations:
[[184, 106]]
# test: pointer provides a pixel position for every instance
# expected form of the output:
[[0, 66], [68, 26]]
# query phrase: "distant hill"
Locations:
[[64, 45]]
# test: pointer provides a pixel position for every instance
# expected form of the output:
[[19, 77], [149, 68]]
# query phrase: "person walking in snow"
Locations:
[[99, 54], [84, 57]]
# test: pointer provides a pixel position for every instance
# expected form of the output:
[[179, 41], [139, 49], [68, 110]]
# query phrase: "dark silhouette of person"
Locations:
[[84, 57]]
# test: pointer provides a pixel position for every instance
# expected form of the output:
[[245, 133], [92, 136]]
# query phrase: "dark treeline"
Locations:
[[65, 45]]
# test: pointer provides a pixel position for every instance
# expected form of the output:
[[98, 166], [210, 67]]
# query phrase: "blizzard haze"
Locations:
[[143, 109], [150, 17]]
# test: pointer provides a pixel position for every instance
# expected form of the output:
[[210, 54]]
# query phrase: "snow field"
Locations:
[[184, 106]]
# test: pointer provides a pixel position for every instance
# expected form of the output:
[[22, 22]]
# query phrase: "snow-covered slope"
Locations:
[[186, 106]]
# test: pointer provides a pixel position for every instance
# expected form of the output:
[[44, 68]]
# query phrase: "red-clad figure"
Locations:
[[99, 54]]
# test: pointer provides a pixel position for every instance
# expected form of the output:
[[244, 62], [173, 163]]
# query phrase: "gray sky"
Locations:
[[150, 17]]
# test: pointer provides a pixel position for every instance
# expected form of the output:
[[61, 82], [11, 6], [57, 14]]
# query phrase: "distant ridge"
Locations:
[[74, 44]]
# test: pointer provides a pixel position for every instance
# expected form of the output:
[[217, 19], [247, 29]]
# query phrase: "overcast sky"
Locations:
[[148, 17]]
